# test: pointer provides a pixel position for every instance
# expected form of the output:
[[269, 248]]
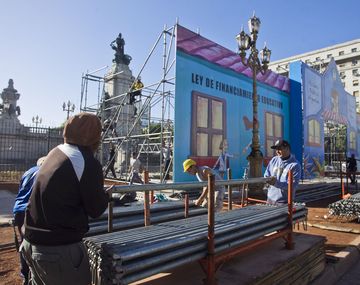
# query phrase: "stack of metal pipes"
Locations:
[[131, 255], [317, 192], [348, 208], [133, 216]]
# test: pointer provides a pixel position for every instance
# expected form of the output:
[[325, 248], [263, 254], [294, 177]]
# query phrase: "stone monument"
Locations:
[[9, 111], [118, 82]]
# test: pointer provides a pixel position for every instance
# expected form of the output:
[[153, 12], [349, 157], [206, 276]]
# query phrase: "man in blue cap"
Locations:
[[278, 169]]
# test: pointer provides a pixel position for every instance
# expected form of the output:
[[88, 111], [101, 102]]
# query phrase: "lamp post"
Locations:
[[248, 42], [69, 107], [36, 120]]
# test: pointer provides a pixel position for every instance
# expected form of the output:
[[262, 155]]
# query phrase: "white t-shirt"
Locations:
[[135, 164]]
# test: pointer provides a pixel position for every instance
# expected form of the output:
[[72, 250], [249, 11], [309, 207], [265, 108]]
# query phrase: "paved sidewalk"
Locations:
[[7, 200]]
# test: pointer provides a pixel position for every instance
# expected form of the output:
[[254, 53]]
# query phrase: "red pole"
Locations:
[[229, 190], [146, 201], [289, 240], [341, 184], [152, 196], [211, 280], [110, 212], [186, 205]]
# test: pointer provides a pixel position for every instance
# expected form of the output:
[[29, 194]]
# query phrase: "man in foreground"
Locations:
[[68, 189], [278, 169]]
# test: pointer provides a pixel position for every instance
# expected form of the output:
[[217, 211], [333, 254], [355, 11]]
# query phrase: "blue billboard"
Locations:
[[213, 106]]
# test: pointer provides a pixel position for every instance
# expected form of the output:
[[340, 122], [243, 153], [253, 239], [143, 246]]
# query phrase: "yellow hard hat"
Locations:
[[188, 163]]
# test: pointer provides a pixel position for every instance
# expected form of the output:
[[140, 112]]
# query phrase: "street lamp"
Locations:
[[36, 120], [69, 107], [248, 42]]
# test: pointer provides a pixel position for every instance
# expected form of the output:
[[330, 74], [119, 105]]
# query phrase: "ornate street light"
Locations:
[[69, 107], [36, 120], [248, 42]]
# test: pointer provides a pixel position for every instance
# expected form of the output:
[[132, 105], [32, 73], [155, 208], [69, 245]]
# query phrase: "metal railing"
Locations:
[[21, 146]]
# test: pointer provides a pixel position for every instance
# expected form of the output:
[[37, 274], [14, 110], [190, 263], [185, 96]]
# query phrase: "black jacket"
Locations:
[[68, 189]]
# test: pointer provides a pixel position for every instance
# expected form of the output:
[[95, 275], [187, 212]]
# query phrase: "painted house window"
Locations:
[[273, 131], [208, 125], [314, 132], [354, 50], [352, 138], [329, 55], [341, 53]]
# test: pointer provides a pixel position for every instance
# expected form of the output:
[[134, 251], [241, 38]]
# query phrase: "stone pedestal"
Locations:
[[117, 85]]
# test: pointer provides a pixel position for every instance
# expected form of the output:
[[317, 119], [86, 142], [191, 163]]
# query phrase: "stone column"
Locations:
[[117, 83]]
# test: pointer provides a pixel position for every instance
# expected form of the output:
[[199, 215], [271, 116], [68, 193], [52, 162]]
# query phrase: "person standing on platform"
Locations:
[[69, 188], [278, 169]]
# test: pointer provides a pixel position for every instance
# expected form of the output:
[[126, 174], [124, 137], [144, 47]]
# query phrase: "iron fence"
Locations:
[[21, 146]]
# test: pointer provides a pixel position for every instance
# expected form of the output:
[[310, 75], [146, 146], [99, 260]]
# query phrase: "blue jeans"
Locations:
[[24, 268]]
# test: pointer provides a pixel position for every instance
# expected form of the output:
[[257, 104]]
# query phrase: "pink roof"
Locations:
[[194, 44]]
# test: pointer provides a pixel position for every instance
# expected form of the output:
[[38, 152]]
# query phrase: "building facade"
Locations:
[[347, 59]]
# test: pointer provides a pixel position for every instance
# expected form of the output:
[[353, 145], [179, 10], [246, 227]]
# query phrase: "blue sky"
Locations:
[[46, 45]]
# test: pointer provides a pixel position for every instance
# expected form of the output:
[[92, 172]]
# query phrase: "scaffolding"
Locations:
[[155, 108]]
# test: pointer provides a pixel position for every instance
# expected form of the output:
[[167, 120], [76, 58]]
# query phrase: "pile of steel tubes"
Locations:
[[126, 256], [309, 193], [133, 216], [348, 208]]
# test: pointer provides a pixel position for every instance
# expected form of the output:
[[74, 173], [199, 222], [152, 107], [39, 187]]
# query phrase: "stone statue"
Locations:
[[120, 56], [9, 106]]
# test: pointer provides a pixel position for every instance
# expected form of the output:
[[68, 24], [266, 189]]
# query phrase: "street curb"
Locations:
[[5, 224], [333, 272]]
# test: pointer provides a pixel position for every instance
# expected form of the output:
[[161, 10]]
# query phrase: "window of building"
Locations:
[[354, 50], [354, 62], [307, 60], [352, 138], [342, 65], [355, 72], [273, 131], [341, 52], [314, 132], [208, 121], [342, 74], [356, 93], [355, 82], [317, 59], [329, 55]]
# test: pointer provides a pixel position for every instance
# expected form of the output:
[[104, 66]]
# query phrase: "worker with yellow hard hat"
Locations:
[[201, 173]]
